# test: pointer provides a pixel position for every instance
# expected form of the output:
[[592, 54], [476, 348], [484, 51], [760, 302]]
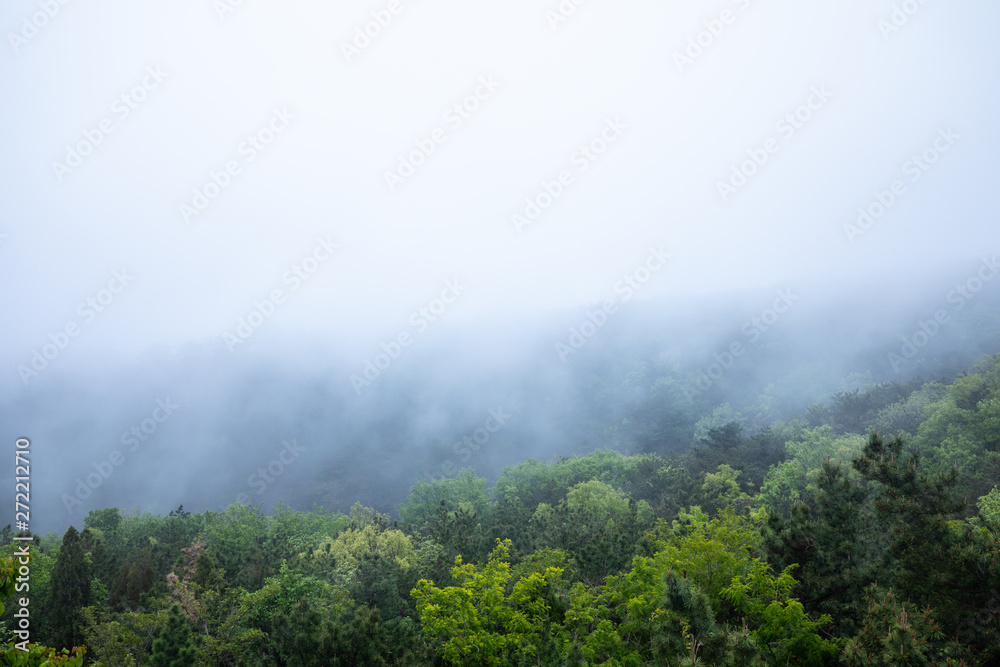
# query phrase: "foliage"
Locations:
[[897, 634], [831, 549], [933, 561], [782, 628], [857, 411], [721, 489], [794, 480], [780, 544], [347, 550], [119, 639], [464, 490], [21, 653], [174, 647], [68, 592], [305, 637], [477, 622], [711, 551], [907, 415], [720, 417], [41, 656], [238, 538], [595, 523], [989, 508], [108, 520], [962, 430], [535, 483]]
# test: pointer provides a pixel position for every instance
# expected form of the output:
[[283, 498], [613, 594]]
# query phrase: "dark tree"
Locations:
[[134, 579], [69, 589], [174, 647], [108, 521], [954, 569], [829, 548]]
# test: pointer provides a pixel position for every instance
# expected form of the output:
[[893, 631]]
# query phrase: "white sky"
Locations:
[[324, 174]]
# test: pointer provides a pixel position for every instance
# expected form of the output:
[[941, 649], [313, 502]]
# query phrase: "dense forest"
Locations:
[[464, 334], [863, 531]]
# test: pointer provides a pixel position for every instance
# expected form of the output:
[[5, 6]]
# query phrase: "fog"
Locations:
[[234, 233]]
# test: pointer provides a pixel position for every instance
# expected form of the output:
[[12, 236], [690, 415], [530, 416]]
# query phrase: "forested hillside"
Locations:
[[865, 531], [460, 334]]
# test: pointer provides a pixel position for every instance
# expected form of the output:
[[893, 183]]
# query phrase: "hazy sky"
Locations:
[[309, 114]]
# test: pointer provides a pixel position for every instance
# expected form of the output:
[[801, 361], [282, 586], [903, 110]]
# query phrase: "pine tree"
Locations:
[[828, 548], [917, 509], [69, 590], [953, 568], [174, 647]]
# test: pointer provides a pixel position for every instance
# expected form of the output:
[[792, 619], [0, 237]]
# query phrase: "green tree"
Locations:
[[460, 531], [784, 632], [906, 416], [962, 430], [22, 653], [535, 483], [238, 538], [721, 489], [120, 639], [108, 521], [830, 545], [426, 496], [932, 561], [478, 622], [917, 508], [133, 581], [69, 590], [376, 564], [41, 656], [305, 637], [175, 646], [649, 615], [989, 508], [597, 524], [898, 634], [711, 551], [794, 479]]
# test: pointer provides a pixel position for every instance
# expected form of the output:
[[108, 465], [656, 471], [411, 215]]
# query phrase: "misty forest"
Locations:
[[633, 505], [556, 333]]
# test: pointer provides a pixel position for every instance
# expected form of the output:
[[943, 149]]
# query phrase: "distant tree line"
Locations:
[[864, 532]]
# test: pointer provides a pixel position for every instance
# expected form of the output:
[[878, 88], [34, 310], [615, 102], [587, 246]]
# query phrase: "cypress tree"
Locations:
[[69, 589]]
